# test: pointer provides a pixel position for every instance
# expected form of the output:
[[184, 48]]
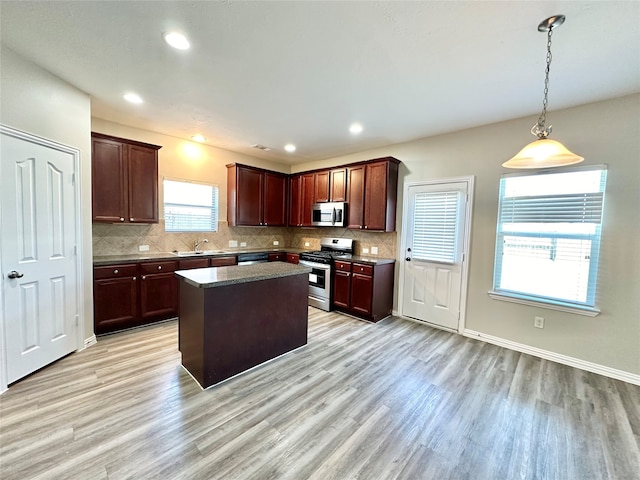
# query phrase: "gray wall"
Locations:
[[605, 132], [35, 101]]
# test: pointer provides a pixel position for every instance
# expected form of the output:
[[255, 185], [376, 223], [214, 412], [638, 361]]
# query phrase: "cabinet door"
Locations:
[[158, 296], [277, 257], [275, 199], [295, 201], [142, 170], [307, 193], [115, 304], [355, 196], [293, 258], [109, 181], [338, 185], [375, 196], [341, 289], [361, 293], [250, 194], [321, 188]]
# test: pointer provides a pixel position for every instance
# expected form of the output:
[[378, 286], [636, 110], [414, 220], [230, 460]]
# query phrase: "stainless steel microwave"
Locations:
[[330, 214]]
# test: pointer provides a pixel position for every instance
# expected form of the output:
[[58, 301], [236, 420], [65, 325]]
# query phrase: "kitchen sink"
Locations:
[[193, 253]]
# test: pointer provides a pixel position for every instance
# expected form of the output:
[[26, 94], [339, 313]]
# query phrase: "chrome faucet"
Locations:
[[197, 244]]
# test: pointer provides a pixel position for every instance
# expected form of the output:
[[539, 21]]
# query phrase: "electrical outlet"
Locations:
[[374, 250], [276, 242], [307, 244], [538, 322], [233, 243], [365, 250], [143, 248], [243, 244]]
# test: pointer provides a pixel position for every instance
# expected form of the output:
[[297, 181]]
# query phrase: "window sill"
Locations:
[[550, 304]]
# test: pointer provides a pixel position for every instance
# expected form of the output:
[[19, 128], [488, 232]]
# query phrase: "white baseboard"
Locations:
[[556, 357], [89, 341]]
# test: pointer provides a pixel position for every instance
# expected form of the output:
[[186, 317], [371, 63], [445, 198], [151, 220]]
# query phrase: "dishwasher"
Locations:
[[252, 258]]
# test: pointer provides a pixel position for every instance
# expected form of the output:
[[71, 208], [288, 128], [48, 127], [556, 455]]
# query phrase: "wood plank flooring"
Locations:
[[393, 400]]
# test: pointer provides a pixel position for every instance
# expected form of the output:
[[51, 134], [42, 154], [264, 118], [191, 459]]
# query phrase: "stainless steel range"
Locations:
[[321, 264]]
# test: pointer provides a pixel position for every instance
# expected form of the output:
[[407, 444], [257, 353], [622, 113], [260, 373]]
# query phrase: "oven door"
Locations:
[[319, 284]]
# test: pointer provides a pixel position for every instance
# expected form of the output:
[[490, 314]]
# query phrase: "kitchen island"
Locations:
[[232, 319]]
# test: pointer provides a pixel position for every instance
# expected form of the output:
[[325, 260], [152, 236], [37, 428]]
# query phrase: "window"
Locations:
[[435, 224], [190, 207], [548, 237]]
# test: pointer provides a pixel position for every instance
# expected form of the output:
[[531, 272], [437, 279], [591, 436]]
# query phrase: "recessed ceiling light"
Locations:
[[198, 138], [290, 147], [355, 128], [132, 97], [176, 40]]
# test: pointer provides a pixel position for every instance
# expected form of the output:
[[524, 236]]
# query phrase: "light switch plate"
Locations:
[[374, 250], [307, 244], [276, 242], [243, 244], [143, 248], [365, 250], [233, 243]]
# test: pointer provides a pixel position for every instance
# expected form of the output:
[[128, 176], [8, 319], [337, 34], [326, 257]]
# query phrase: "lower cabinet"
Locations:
[[363, 290], [292, 258], [134, 294], [277, 257]]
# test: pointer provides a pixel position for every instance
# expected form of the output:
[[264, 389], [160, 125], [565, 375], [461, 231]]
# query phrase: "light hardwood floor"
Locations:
[[394, 400]]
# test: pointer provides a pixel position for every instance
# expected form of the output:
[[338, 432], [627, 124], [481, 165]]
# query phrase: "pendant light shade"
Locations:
[[543, 153]]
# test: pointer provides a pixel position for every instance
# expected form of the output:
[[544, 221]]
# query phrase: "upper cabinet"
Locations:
[[124, 180], [330, 185], [301, 198], [372, 190], [255, 197]]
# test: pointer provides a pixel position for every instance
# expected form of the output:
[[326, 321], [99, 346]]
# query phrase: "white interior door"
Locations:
[[435, 243], [38, 256]]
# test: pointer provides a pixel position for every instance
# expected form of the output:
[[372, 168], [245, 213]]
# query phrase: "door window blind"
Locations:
[[435, 223], [548, 235], [190, 207]]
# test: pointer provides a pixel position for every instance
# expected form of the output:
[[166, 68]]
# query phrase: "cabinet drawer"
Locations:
[[158, 267], [342, 266], [115, 271], [193, 263], [223, 261], [293, 258], [363, 269], [276, 257]]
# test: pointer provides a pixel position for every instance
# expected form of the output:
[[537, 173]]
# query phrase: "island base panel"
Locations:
[[229, 329]]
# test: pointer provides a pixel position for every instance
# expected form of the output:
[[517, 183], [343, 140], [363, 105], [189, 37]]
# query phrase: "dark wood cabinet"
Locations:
[[158, 291], [338, 185], [190, 263], [292, 258], [255, 197], [124, 180], [115, 297], [365, 291], [277, 257], [321, 187], [301, 199], [371, 193]]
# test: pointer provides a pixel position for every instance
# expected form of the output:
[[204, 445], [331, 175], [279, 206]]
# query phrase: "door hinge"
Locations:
[[73, 178], [75, 250], [77, 320]]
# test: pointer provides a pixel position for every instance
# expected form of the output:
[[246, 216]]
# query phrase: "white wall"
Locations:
[[35, 101], [604, 132]]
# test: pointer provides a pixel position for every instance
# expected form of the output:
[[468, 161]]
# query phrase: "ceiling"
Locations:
[[278, 72]]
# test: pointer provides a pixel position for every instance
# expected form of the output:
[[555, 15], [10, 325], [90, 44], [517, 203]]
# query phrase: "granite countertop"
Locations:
[[99, 260], [221, 276]]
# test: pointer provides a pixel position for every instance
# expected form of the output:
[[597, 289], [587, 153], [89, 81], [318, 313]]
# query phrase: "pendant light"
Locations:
[[543, 152]]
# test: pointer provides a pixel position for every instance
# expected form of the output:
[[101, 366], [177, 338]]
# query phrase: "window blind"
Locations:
[[435, 223], [190, 207]]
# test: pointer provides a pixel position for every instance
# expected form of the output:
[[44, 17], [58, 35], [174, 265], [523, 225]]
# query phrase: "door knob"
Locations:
[[408, 259], [14, 274]]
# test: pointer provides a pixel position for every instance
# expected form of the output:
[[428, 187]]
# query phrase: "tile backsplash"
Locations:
[[115, 239]]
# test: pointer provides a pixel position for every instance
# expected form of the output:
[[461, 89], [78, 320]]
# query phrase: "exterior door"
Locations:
[[435, 247], [38, 252]]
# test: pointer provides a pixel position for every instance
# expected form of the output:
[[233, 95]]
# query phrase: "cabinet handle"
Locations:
[[134, 279], [144, 277], [122, 219], [366, 226], [131, 219], [159, 267], [116, 271]]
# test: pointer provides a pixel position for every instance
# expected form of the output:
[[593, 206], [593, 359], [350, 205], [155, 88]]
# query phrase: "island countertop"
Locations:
[[220, 276]]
